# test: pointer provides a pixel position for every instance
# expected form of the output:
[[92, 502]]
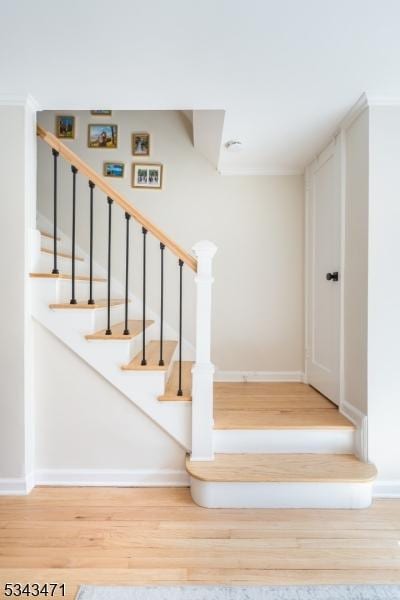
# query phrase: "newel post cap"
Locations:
[[204, 249]]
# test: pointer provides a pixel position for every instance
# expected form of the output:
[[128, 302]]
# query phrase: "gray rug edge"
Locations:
[[239, 592]]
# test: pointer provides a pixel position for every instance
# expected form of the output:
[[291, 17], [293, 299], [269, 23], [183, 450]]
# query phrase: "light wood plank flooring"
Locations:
[[274, 406], [142, 536]]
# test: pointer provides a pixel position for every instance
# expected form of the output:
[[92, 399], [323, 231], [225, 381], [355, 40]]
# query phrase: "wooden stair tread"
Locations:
[[48, 235], [152, 357], [323, 468], [173, 382], [84, 304], [262, 388], [62, 254], [65, 276], [274, 406], [135, 327]]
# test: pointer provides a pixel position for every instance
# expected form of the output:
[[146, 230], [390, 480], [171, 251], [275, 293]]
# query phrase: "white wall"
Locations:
[[86, 431], [257, 223], [356, 263], [384, 296], [17, 162]]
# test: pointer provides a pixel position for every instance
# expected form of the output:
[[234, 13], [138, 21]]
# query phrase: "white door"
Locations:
[[324, 277]]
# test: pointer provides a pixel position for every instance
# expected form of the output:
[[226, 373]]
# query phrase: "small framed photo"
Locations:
[[65, 127], [147, 176], [113, 169], [140, 144], [101, 113], [103, 136]]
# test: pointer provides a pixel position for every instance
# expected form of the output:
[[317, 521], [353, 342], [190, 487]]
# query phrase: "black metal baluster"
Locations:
[[180, 393], [108, 330], [161, 361], [144, 361], [91, 301], [55, 271], [74, 172], [127, 217]]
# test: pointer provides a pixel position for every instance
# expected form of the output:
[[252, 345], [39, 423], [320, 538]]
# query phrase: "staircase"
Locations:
[[248, 444]]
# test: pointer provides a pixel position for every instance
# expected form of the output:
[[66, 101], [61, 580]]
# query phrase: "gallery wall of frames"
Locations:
[[102, 134]]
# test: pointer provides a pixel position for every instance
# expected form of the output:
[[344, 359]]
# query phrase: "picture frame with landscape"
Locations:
[[147, 176], [114, 169], [102, 136]]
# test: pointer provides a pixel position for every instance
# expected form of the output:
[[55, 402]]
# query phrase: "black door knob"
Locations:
[[332, 276]]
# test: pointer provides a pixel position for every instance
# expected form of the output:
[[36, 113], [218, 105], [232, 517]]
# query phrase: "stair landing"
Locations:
[[274, 406]]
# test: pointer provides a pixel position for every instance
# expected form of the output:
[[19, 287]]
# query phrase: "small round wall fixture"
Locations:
[[234, 146]]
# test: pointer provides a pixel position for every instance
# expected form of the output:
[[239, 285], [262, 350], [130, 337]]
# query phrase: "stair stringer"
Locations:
[[142, 388]]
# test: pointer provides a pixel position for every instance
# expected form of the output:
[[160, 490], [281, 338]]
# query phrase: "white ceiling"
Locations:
[[285, 71]]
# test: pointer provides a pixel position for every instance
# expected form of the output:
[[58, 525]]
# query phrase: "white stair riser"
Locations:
[[64, 265], [279, 441], [121, 351], [281, 495], [62, 246], [58, 291], [81, 290]]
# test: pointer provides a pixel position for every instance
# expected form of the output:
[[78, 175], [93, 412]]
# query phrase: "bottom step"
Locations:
[[281, 481]]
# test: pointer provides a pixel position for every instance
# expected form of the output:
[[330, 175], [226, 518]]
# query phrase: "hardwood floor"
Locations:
[[141, 536], [274, 406]]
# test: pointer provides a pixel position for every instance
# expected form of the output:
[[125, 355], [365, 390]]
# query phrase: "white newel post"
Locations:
[[203, 369]]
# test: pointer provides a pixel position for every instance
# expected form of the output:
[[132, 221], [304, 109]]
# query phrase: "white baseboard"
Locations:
[[386, 489], [16, 486], [113, 477], [278, 376], [361, 422]]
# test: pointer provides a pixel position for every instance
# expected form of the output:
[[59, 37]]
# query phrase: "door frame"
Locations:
[[335, 148]]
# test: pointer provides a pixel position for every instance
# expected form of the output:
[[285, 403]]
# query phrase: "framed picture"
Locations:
[[147, 176], [102, 136], [113, 169], [140, 144], [65, 127], [101, 113]]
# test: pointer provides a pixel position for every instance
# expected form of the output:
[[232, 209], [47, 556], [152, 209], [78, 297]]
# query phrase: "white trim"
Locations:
[[361, 422], [19, 100], [16, 486], [30, 482], [113, 477], [256, 171], [295, 376], [307, 255], [342, 199], [355, 111], [386, 489], [364, 102]]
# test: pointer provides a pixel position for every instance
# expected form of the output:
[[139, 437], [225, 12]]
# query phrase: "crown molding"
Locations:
[[355, 111], [28, 101], [365, 101], [260, 172]]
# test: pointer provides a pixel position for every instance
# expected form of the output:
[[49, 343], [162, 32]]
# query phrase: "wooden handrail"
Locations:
[[100, 182]]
